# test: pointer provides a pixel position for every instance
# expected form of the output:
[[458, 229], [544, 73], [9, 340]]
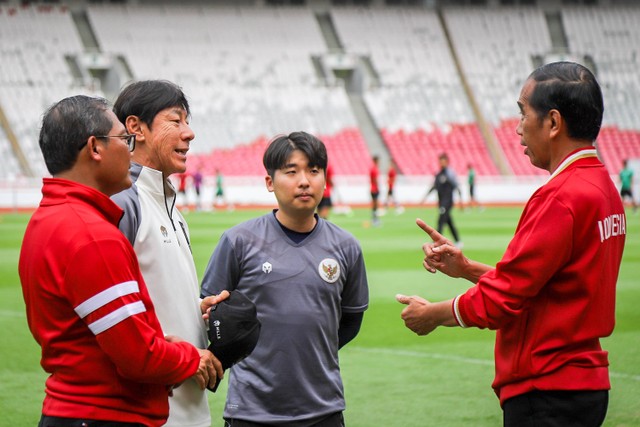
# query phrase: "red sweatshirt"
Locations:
[[552, 296], [89, 309]]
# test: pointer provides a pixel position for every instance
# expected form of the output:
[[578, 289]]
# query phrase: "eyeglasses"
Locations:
[[130, 139]]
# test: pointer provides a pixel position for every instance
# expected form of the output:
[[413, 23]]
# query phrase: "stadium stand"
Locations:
[[495, 49], [248, 74], [611, 36], [433, 79], [9, 167], [419, 93], [419, 149], [34, 41], [345, 149], [616, 145]]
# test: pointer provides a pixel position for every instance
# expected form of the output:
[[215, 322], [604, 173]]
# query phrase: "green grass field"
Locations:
[[392, 377]]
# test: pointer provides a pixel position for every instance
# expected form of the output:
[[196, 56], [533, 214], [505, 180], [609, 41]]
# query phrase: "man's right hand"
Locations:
[[210, 301], [209, 370]]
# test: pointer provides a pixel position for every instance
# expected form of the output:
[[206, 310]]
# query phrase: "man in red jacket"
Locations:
[[552, 295], [86, 301]]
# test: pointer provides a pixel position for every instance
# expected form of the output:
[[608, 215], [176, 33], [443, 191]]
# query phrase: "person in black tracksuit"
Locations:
[[445, 183]]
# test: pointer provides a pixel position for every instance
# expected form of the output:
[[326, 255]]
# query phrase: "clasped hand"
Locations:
[[209, 369]]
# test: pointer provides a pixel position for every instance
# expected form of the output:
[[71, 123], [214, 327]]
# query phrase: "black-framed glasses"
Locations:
[[130, 139]]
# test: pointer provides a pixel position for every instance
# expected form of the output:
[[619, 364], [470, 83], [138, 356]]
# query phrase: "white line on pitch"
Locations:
[[426, 355], [11, 313], [469, 360]]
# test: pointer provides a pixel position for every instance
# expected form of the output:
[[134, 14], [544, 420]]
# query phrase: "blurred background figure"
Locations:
[[471, 181], [626, 184], [324, 208], [197, 184], [181, 200], [392, 174], [374, 174], [445, 183], [220, 198]]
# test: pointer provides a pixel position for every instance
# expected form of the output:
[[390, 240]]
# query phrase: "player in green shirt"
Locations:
[[626, 184]]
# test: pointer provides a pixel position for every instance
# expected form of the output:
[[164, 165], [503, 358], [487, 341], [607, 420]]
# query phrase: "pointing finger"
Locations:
[[435, 236]]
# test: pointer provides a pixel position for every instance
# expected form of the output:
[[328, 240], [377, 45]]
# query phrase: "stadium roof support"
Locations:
[[489, 137], [15, 145]]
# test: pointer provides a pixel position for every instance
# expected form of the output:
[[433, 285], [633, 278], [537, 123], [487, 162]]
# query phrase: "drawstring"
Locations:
[[169, 214]]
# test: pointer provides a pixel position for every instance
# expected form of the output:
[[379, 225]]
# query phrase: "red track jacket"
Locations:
[[89, 309], [552, 296]]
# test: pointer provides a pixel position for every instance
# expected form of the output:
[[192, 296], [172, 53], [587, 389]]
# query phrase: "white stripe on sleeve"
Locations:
[[456, 312], [106, 296], [117, 316]]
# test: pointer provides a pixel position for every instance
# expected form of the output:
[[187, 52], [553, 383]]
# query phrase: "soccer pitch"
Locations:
[[392, 377]]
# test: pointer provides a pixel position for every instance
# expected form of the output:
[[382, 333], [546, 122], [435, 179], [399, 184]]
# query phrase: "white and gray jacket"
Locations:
[[160, 236]]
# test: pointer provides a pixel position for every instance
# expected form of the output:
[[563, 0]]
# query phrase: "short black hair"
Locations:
[[66, 127], [280, 149], [145, 99], [574, 91]]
